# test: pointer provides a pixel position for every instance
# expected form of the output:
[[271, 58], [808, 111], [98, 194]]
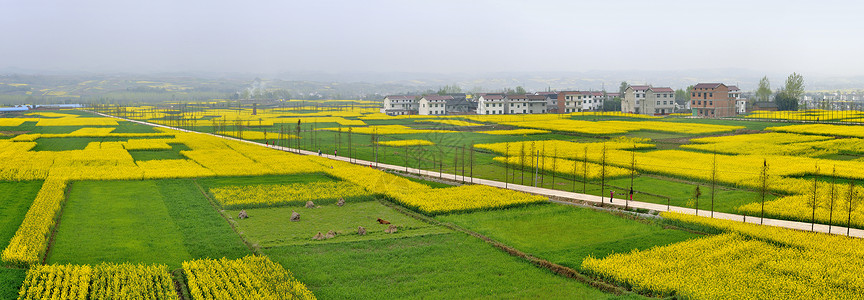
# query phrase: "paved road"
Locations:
[[548, 192]]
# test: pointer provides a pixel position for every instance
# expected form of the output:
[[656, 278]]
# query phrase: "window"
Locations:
[[700, 95], [694, 102], [710, 102], [693, 94], [523, 111], [710, 94], [658, 102]]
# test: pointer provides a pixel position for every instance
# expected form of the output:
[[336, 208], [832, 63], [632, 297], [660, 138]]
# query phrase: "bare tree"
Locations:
[[849, 202], [471, 163], [697, 194], [522, 162], [506, 163], [632, 176], [603, 173], [713, 180], [763, 190], [554, 165], [831, 203], [542, 163], [350, 145], [585, 171], [813, 202]]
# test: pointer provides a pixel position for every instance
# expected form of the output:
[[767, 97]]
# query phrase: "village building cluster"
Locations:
[[711, 100]]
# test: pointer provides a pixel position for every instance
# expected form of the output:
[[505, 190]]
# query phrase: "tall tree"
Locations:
[[613, 104], [682, 96], [520, 90], [763, 93], [794, 86], [785, 101], [622, 88]]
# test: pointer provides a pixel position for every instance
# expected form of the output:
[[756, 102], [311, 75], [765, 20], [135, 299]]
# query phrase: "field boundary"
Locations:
[[255, 250], [796, 225], [539, 262]]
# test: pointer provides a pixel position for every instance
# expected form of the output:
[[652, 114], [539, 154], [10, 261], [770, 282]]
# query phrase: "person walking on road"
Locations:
[[631, 193], [611, 195]]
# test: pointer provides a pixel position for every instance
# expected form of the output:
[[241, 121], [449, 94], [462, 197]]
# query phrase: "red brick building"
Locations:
[[712, 100]]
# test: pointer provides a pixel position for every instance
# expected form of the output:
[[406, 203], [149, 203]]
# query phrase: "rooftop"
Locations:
[[706, 85]]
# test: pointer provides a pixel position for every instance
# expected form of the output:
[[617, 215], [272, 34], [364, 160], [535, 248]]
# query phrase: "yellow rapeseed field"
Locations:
[[251, 277], [106, 281], [281, 194], [746, 261], [404, 143]]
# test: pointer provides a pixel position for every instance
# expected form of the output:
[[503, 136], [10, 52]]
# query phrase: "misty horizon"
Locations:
[[444, 37]]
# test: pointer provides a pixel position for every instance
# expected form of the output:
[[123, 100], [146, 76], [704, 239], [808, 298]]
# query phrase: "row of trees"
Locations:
[[786, 97]]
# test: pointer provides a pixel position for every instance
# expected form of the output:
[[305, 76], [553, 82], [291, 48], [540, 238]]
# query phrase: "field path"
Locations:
[[838, 230]]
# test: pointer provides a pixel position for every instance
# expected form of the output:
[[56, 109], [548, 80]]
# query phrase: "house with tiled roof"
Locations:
[[551, 101], [525, 104], [592, 101], [569, 101], [433, 105], [491, 104], [395, 105], [648, 100], [712, 100]]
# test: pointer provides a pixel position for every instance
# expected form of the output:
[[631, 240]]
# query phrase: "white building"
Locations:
[[740, 106], [648, 100], [551, 101], [491, 104], [592, 101], [525, 104], [396, 105], [433, 105], [734, 92]]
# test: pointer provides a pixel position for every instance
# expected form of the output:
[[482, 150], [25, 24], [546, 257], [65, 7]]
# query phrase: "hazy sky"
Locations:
[[811, 37]]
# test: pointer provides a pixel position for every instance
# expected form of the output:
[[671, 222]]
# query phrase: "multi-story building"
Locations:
[[734, 92], [712, 100], [396, 105], [592, 101], [491, 104], [433, 105], [551, 101], [569, 101], [526, 104], [741, 106], [648, 100]]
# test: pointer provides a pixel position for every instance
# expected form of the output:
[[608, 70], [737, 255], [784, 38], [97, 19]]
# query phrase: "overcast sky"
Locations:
[[811, 37]]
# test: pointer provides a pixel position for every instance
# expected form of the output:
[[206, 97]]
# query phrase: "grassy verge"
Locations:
[[15, 200], [271, 227], [174, 153], [566, 234], [679, 193], [10, 282], [446, 266], [151, 221]]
